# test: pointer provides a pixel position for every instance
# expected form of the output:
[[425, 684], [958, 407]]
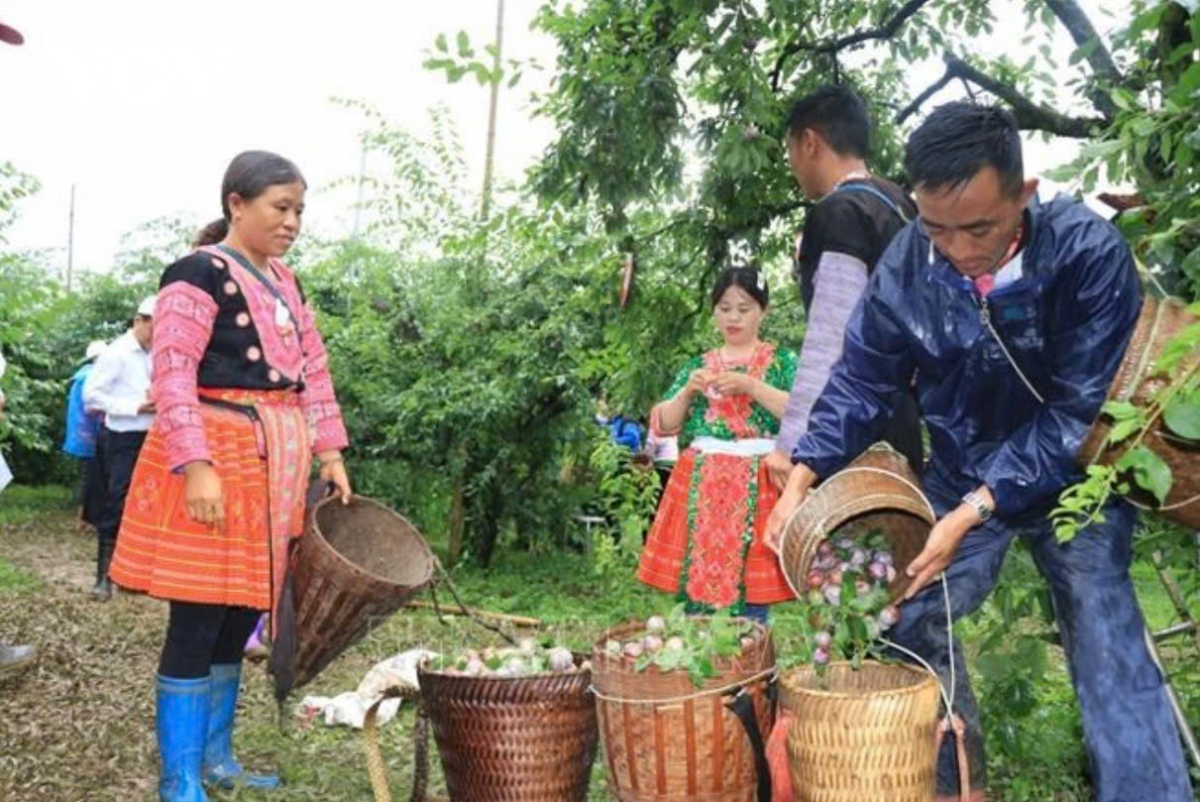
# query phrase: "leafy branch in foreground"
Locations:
[[1175, 406]]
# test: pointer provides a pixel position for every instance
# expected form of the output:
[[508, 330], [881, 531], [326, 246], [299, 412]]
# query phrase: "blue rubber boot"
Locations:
[[181, 724], [220, 767]]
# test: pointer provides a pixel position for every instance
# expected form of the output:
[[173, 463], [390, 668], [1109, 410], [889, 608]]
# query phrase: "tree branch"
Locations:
[[1077, 23], [885, 31], [1030, 116], [676, 223], [920, 99], [760, 218]]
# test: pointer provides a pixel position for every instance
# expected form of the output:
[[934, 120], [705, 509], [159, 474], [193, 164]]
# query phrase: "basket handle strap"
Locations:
[[284, 637], [953, 723], [421, 754], [377, 768], [467, 611], [318, 491], [742, 705]]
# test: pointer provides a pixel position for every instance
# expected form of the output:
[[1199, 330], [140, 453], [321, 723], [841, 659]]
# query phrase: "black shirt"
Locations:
[[234, 335], [855, 220], [859, 219]]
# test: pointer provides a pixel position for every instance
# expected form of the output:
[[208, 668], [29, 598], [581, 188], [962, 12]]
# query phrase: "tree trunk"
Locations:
[[486, 529], [458, 518]]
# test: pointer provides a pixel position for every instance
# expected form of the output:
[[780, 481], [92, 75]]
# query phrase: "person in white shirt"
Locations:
[[13, 657], [119, 388]]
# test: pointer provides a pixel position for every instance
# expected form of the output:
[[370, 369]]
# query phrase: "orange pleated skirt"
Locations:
[[706, 541], [161, 551]]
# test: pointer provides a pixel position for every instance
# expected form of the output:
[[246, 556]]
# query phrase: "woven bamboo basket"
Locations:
[[354, 566], [665, 740], [862, 735], [1136, 381], [513, 739], [877, 491]]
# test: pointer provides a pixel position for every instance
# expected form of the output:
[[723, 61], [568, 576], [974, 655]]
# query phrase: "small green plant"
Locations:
[[628, 498], [680, 642], [846, 605], [1176, 405], [17, 580]]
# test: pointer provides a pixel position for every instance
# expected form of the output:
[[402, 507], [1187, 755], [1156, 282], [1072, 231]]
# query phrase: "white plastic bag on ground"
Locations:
[[350, 708]]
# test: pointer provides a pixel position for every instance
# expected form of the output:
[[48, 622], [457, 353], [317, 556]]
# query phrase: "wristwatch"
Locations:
[[977, 501]]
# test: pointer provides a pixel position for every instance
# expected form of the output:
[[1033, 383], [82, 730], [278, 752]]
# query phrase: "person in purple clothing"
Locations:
[[853, 218]]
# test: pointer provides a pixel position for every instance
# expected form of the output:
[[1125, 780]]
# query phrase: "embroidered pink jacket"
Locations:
[[217, 326]]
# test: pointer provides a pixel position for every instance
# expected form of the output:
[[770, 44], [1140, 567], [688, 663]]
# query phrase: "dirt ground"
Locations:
[[78, 726]]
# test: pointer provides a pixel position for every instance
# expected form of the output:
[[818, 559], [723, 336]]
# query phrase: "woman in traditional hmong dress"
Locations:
[[706, 541], [244, 402]]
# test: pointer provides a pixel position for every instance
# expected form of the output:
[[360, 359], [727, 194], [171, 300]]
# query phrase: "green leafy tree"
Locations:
[[44, 330]]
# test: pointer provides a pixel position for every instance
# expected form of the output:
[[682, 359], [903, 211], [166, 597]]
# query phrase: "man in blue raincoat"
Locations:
[[1013, 316]]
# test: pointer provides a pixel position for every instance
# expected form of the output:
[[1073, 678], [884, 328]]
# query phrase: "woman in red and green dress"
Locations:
[[706, 542]]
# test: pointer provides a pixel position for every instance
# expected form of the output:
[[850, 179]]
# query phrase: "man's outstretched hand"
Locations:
[[779, 468], [793, 495], [943, 542]]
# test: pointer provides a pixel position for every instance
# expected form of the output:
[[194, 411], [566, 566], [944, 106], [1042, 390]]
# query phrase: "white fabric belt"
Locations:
[[751, 447]]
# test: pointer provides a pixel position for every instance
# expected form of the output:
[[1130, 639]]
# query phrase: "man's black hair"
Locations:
[[960, 139], [839, 115]]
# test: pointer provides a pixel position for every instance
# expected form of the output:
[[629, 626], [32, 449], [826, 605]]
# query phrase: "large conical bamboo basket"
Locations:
[[877, 491], [1136, 381], [354, 567], [862, 734]]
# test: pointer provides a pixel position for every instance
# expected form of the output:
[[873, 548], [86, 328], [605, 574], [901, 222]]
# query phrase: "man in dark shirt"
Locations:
[[855, 217]]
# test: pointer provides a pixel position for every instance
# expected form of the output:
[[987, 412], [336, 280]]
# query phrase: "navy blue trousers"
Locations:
[[1130, 733]]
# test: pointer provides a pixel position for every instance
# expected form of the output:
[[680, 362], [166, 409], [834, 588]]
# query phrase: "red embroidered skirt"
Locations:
[[264, 468], [707, 538]]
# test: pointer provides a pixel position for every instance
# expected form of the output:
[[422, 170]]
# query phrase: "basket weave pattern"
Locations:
[[665, 740], [355, 565], [1159, 322], [518, 739], [866, 734], [877, 491]]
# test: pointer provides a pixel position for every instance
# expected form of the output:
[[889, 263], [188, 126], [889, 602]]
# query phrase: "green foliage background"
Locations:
[[470, 355]]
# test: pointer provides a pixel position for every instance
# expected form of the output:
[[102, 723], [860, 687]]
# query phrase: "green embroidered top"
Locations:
[[734, 417]]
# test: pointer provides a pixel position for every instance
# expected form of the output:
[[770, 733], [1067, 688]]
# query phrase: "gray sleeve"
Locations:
[[839, 282]]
